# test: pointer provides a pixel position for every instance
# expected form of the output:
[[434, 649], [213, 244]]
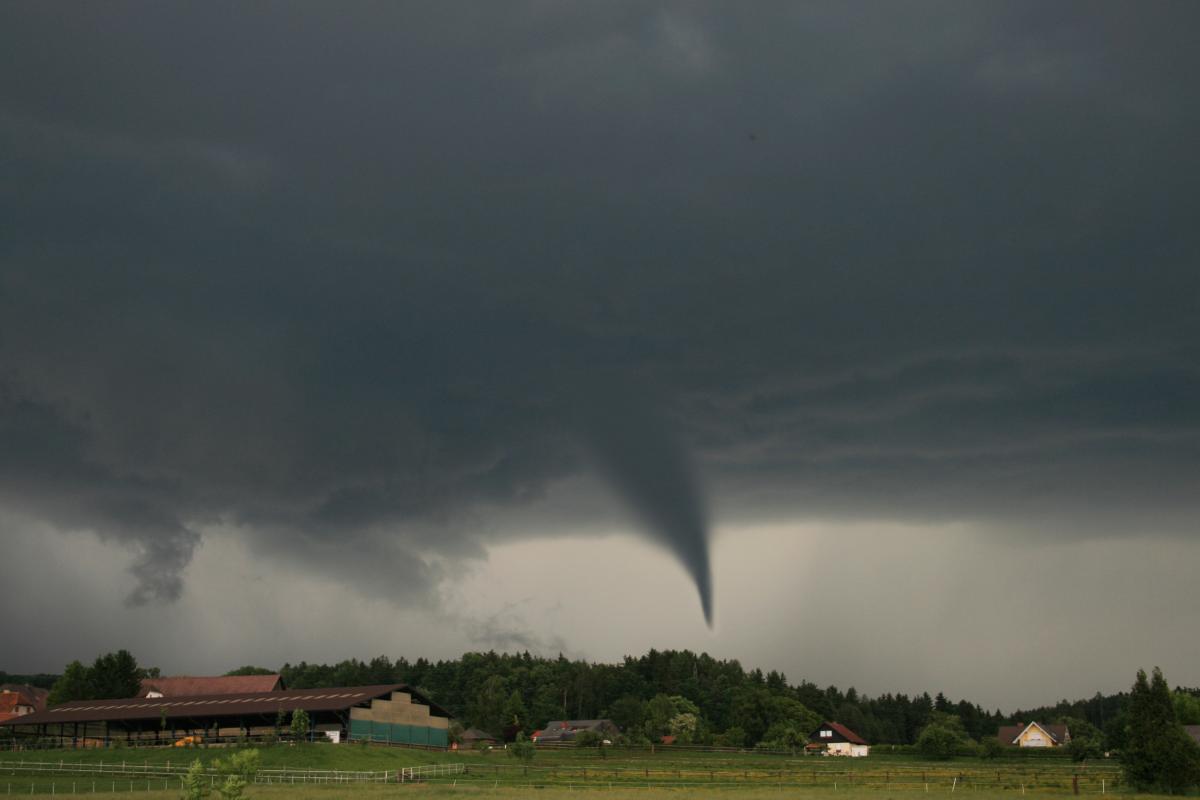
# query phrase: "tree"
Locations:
[[785, 735], [300, 724], [943, 737], [732, 737], [115, 675], [683, 727], [515, 715], [754, 709], [252, 670], [628, 712], [659, 711], [990, 748], [1086, 739], [1187, 708], [490, 702], [73, 685], [522, 749], [195, 783], [239, 769], [1158, 754]]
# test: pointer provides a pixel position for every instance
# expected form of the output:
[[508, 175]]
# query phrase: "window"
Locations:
[[826, 734]]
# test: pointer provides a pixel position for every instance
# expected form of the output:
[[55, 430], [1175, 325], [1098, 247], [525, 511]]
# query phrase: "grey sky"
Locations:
[[378, 294]]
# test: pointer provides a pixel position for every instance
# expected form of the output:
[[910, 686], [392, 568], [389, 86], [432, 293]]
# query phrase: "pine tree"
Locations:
[[1159, 754]]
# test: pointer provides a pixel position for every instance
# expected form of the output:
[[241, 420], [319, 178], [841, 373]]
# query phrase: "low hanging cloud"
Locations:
[[368, 275]]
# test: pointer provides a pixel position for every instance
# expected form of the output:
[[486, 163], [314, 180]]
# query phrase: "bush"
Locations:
[[990, 748], [588, 739], [300, 724], [784, 736], [732, 737], [195, 782], [522, 749], [234, 788], [939, 742]]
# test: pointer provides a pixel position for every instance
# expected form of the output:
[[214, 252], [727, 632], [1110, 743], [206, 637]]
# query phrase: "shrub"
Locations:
[[234, 788], [195, 783], [588, 739], [300, 724], [990, 748], [522, 749], [939, 741]]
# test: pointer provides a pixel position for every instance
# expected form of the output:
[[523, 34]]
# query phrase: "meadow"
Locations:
[[308, 771]]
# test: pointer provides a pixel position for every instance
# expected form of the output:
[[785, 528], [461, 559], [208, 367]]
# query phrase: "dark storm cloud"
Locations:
[[341, 277]]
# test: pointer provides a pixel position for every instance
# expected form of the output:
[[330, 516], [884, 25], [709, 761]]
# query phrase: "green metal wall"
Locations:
[[397, 734]]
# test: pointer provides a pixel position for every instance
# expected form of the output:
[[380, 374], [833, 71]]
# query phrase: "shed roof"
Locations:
[[229, 705]]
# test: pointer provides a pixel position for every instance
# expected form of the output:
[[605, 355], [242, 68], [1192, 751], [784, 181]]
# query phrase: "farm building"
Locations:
[[835, 739], [474, 737], [188, 686], [1034, 734], [391, 713], [18, 699], [1193, 731], [565, 730]]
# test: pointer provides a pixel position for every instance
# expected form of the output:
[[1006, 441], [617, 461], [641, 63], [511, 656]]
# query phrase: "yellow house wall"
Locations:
[[1034, 736]]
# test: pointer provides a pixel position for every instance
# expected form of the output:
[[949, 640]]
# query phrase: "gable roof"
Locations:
[[10, 702], [1008, 734], [578, 724], [186, 685], [31, 695], [844, 732], [567, 728], [476, 735]]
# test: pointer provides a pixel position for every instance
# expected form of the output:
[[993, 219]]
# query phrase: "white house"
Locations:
[[838, 740]]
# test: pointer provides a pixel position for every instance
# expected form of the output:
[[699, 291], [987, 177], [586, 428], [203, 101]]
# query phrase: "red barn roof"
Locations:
[[847, 734], [187, 686]]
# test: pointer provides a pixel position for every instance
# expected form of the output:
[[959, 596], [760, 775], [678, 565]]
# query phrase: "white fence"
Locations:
[[403, 775], [147, 770]]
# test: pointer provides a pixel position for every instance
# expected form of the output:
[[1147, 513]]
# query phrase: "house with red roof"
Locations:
[[18, 699], [835, 739]]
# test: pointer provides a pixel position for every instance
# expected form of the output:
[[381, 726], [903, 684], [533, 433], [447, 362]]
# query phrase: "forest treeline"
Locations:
[[694, 697], [733, 705]]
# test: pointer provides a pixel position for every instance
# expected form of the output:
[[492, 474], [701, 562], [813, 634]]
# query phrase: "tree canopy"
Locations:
[[1158, 754]]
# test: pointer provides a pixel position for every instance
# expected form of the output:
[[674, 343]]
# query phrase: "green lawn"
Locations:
[[631, 773]]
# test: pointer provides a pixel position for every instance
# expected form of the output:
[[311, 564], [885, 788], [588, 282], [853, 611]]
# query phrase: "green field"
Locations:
[[555, 773]]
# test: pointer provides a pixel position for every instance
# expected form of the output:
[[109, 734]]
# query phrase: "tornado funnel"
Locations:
[[639, 453]]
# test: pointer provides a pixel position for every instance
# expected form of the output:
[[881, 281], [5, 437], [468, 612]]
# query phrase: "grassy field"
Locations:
[[560, 773]]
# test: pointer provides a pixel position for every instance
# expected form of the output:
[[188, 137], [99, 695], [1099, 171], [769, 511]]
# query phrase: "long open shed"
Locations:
[[392, 713]]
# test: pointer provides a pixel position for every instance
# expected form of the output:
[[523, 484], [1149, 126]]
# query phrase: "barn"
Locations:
[[391, 713]]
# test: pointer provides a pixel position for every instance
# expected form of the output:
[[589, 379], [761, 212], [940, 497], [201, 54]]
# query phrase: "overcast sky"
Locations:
[[873, 330]]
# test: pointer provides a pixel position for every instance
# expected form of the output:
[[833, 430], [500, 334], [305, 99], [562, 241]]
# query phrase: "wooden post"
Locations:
[[1075, 783]]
